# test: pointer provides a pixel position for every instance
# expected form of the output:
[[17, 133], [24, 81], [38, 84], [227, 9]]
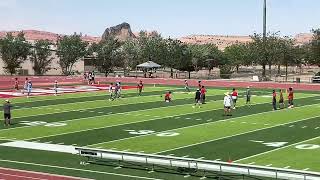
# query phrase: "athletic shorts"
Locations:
[[290, 102], [197, 100], [227, 107], [281, 101], [7, 116]]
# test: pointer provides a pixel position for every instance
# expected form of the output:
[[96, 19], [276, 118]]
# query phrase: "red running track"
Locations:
[[14, 174], [7, 82]]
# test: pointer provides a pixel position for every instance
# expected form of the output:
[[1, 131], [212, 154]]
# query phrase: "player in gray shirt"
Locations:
[[7, 113]]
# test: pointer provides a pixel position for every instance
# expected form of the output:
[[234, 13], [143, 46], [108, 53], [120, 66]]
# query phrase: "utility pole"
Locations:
[[264, 36], [264, 19]]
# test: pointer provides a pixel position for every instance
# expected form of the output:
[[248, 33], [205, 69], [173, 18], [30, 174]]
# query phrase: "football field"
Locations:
[[254, 135]]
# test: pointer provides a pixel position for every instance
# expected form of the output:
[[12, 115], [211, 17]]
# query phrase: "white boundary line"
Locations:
[[76, 169], [222, 120], [236, 134], [266, 152]]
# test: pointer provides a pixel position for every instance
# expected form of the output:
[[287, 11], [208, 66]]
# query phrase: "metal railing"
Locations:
[[198, 164]]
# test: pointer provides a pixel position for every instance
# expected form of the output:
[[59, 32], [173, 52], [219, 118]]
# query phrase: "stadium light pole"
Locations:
[[264, 19], [264, 36]]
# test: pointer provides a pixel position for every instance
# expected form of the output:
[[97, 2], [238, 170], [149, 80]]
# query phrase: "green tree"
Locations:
[[237, 54], [14, 51], [108, 55], [70, 49], [41, 56], [315, 48]]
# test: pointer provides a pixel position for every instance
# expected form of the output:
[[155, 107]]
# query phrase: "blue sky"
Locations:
[[173, 18]]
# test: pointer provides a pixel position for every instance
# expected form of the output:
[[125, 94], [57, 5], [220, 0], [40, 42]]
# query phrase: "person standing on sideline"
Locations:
[[29, 88], [25, 86], [281, 99], [7, 113], [186, 85], [55, 87], [274, 100], [197, 99], [16, 84], [140, 87], [89, 78], [203, 94], [227, 102], [234, 97], [92, 77], [248, 96], [111, 90], [290, 98]]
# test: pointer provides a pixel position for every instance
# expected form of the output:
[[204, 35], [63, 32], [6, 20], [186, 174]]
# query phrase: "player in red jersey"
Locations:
[[16, 84], [234, 96], [203, 94], [167, 97], [140, 87], [290, 98]]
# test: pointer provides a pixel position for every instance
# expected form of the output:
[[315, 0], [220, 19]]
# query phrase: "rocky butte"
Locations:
[[122, 32]]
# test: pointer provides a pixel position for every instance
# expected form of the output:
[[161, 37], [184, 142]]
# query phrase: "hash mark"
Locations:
[[306, 169], [287, 167], [304, 127], [317, 128], [252, 163], [291, 126], [269, 165]]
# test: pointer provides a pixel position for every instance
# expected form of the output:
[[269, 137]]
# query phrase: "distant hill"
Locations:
[[224, 41], [33, 35], [123, 32]]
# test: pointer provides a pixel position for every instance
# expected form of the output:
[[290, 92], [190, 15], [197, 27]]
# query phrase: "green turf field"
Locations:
[[254, 135]]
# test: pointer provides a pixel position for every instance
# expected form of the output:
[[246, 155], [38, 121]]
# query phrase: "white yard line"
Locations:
[[76, 169], [277, 149]]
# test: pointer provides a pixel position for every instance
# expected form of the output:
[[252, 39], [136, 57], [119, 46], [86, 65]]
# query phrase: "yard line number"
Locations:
[[146, 132], [42, 123], [280, 144]]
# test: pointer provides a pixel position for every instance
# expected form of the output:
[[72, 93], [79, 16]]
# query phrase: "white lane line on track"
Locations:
[[77, 169]]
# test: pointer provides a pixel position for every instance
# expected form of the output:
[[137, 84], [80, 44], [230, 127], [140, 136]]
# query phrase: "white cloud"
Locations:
[[8, 4]]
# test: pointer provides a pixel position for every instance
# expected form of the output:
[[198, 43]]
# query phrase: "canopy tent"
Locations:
[[149, 65]]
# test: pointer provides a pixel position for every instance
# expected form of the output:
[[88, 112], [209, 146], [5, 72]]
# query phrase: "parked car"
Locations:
[[316, 78]]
